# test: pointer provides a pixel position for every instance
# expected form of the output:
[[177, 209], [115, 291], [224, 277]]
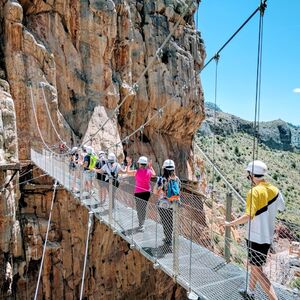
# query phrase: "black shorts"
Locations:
[[101, 177], [257, 253]]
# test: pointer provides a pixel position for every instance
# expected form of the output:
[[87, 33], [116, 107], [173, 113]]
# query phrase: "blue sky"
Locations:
[[280, 95]]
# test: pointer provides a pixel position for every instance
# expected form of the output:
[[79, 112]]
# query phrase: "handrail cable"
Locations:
[[37, 123], [90, 223], [259, 8], [42, 84], [221, 174], [46, 240], [263, 6], [217, 57], [191, 80]]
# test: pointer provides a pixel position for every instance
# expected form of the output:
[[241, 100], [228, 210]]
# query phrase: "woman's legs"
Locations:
[[141, 206]]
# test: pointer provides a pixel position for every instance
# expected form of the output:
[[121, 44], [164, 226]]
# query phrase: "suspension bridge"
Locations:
[[207, 262], [194, 260]]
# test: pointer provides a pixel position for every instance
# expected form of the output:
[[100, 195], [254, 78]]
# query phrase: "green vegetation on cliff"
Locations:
[[234, 149]]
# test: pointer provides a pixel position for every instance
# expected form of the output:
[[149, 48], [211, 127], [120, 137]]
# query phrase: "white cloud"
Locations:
[[296, 90]]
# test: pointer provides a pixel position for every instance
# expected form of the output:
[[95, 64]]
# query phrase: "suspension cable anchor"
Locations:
[[160, 112], [135, 87], [217, 57], [192, 296], [156, 266], [262, 7], [159, 53]]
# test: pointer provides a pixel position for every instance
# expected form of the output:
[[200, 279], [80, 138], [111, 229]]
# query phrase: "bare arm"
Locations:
[[128, 171], [153, 174], [241, 220], [121, 170]]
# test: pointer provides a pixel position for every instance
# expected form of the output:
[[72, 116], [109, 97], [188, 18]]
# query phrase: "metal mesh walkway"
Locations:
[[192, 259]]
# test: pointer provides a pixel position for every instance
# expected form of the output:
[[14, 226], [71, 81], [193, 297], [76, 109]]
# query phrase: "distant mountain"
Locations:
[[232, 149], [276, 134], [211, 105]]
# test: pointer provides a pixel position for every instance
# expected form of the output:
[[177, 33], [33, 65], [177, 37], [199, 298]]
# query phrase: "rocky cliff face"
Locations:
[[88, 55], [10, 234], [79, 59]]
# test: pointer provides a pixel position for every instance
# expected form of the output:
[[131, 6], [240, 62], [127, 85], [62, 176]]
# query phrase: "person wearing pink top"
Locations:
[[142, 186]]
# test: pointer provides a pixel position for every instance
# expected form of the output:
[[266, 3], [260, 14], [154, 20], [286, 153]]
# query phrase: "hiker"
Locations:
[[74, 167], [101, 177], [89, 164], [62, 148], [262, 203], [142, 186], [111, 170], [167, 188]]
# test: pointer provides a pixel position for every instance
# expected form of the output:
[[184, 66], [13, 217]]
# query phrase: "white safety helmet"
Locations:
[[74, 149], [111, 157], [101, 153], [257, 167], [89, 150], [143, 160], [169, 164]]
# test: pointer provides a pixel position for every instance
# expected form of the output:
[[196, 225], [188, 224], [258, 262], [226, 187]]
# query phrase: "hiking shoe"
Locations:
[[167, 242], [248, 295]]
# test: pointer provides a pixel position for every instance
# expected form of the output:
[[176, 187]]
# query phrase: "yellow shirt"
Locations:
[[263, 202], [260, 195]]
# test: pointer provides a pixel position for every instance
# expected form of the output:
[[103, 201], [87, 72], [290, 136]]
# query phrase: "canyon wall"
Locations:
[[85, 57], [79, 60]]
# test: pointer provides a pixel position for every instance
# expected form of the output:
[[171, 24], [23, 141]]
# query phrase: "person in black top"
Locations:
[[101, 177]]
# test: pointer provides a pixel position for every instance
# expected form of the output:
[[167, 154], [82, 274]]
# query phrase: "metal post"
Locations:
[[62, 170], [132, 245], [52, 165], [175, 239], [44, 158], [190, 258], [156, 265], [81, 184], [227, 229], [110, 203], [90, 223]]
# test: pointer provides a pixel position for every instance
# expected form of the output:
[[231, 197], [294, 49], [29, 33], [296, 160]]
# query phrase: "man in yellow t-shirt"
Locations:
[[262, 203]]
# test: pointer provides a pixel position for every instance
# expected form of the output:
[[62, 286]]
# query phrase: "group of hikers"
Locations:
[[262, 202], [104, 168]]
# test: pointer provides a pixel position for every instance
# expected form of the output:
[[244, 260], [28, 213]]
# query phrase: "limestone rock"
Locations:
[[79, 60], [10, 235], [89, 55]]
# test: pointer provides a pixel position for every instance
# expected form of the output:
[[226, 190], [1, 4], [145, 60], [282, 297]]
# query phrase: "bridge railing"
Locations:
[[282, 266], [188, 241]]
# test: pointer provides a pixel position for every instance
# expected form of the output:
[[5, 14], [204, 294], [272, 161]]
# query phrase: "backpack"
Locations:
[[93, 161], [113, 171], [173, 190]]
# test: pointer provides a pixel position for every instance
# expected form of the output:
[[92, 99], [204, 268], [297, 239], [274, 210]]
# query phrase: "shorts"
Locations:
[[100, 177], [257, 253], [88, 175]]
